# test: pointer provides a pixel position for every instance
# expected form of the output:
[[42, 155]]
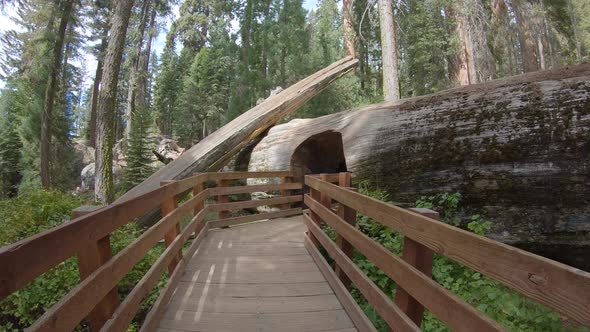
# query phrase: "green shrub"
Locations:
[[507, 307], [37, 211]]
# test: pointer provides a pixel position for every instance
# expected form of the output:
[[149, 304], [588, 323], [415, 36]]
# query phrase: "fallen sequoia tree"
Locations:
[[215, 150], [518, 149]]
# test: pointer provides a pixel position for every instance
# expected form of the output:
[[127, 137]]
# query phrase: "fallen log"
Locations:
[[516, 149], [212, 152]]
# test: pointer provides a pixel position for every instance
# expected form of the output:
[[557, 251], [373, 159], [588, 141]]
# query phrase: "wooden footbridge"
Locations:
[[265, 272]]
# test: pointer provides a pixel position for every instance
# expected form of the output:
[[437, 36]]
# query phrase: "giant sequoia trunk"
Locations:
[[215, 150], [517, 149], [389, 51]]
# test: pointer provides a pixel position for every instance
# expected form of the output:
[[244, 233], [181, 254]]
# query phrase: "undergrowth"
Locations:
[[509, 308], [36, 211]]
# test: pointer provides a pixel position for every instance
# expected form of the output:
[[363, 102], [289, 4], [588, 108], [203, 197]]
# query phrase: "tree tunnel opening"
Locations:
[[320, 153]]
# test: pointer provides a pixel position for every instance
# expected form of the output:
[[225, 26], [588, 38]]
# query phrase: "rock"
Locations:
[[86, 152], [517, 149], [88, 173], [169, 149]]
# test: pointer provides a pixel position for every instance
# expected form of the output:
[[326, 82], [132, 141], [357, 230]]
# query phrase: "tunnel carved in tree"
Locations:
[[320, 153]]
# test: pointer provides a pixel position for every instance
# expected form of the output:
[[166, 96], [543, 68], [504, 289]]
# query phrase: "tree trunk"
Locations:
[[462, 68], [525, 35], [215, 150], [47, 116], [103, 185], [135, 68], [493, 142], [95, 89], [389, 51], [574, 20], [347, 13]]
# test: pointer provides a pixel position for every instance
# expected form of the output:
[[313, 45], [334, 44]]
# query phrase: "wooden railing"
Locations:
[[558, 286], [87, 237]]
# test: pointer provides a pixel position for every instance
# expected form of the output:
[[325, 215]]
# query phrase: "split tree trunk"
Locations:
[[103, 185], [389, 51], [215, 150], [47, 116]]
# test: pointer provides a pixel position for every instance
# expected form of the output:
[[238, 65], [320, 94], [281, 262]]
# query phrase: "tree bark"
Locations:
[[103, 185], [389, 51], [215, 150], [573, 18], [525, 35], [95, 89], [492, 142], [47, 116], [135, 68], [349, 35]]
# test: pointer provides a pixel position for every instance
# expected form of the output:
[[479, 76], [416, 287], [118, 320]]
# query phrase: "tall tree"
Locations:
[[99, 26], [65, 10], [349, 34], [103, 184], [525, 35], [136, 59], [389, 50]]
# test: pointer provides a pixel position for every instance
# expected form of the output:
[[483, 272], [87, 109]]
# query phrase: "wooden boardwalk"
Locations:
[[255, 277]]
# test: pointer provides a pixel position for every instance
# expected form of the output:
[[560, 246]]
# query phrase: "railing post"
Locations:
[[348, 214], [286, 192], [419, 257], [169, 205], [90, 258], [201, 205], [324, 198], [223, 199]]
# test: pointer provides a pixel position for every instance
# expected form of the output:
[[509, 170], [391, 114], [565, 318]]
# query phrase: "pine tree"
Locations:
[[139, 151], [10, 146]]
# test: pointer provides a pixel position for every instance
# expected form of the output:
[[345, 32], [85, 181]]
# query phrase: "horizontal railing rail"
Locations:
[[87, 237], [558, 286]]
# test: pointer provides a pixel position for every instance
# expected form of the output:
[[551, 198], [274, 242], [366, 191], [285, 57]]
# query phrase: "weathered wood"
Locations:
[[254, 203], [222, 199], [253, 217], [245, 291], [68, 239], [419, 257], [91, 258], [285, 192], [561, 287], [357, 315], [391, 313], [168, 206], [254, 188], [349, 215], [155, 314], [213, 151], [127, 310], [492, 142], [68, 312], [446, 306]]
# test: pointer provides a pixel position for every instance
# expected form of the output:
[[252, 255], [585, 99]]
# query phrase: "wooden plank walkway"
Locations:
[[255, 277]]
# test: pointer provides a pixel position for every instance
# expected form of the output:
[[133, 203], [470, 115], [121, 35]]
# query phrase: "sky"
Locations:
[[88, 62]]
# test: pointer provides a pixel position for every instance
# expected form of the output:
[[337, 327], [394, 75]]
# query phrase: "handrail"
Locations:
[[558, 286], [87, 237]]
